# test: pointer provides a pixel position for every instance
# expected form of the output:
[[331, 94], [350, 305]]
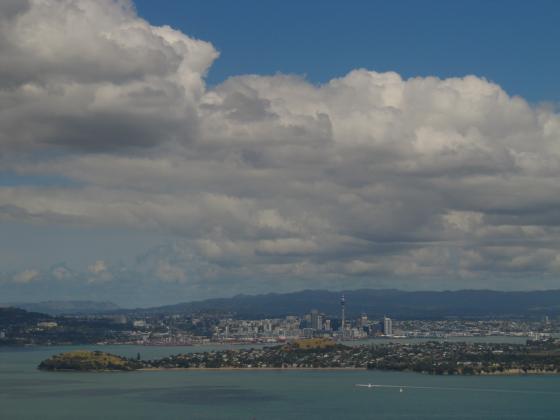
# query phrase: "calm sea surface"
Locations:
[[26, 393]]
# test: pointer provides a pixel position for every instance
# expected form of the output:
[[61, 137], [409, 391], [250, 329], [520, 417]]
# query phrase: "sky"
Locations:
[[513, 43], [159, 152]]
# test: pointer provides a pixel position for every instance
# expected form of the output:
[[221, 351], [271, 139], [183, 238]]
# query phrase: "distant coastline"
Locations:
[[367, 340], [438, 358]]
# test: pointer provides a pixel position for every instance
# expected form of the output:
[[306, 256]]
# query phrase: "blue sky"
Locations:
[[513, 43]]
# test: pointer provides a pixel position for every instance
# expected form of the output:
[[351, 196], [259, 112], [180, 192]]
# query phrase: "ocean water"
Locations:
[[26, 393]]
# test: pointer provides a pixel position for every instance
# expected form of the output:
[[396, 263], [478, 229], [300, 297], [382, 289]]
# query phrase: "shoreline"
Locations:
[[250, 368], [248, 344], [511, 372]]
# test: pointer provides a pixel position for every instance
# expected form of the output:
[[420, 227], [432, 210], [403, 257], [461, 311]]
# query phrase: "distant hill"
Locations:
[[376, 303], [69, 307], [16, 317]]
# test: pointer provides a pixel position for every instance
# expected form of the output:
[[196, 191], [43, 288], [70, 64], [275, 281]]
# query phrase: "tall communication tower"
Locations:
[[343, 308]]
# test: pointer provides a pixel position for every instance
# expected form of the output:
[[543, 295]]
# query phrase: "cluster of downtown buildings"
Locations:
[[166, 329], [313, 324], [227, 329]]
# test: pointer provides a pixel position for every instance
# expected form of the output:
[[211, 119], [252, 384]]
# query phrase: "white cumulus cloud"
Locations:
[[369, 179]]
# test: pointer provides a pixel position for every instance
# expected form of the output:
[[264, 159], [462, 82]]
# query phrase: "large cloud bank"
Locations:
[[271, 182]]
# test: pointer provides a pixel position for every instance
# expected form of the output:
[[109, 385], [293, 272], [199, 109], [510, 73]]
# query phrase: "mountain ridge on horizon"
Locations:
[[378, 302], [482, 303], [66, 307]]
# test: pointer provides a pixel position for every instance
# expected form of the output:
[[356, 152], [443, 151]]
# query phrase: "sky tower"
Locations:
[[342, 308]]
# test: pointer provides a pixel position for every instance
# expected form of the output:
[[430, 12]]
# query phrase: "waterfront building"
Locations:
[[387, 326]]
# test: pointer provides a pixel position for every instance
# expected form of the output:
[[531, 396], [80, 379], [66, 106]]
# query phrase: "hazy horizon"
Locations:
[[130, 305]]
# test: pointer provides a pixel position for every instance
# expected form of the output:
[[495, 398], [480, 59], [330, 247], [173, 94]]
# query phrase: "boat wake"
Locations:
[[402, 388]]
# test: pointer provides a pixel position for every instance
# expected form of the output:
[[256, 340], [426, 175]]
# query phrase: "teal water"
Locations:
[[26, 393]]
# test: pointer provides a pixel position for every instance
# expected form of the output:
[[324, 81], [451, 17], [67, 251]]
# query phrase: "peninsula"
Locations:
[[449, 358]]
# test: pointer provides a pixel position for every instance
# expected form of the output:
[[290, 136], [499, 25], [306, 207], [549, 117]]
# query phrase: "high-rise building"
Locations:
[[306, 322], [316, 320], [343, 310], [387, 326], [363, 320]]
